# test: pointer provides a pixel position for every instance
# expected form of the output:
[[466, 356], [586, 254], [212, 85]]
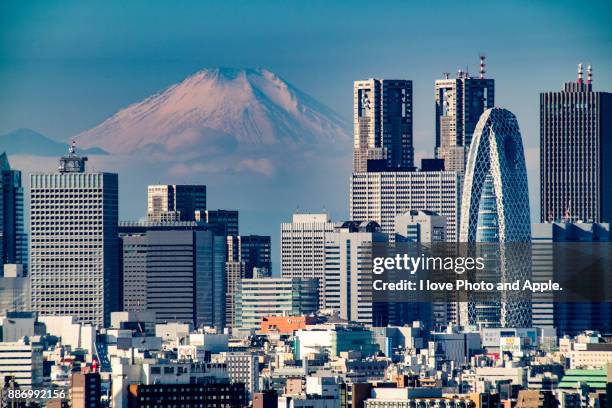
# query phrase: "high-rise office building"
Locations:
[[575, 151], [459, 103], [347, 281], [569, 318], [253, 250], [225, 222], [495, 208], [260, 297], [176, 269], [420, 226], [382, 125], [73, 247], [382, 196], [234, 272], [175, 202], [303, 246], [249, 256], [542, 262], [13, 242]]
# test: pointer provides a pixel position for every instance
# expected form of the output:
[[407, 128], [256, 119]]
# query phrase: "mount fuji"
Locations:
[[219, 111]]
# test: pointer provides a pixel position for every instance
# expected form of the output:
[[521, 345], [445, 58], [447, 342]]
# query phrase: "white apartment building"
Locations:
[[382, 196]]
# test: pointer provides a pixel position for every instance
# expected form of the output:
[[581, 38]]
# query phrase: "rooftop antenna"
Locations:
[[580, 73], [589, 75], [446, 75], [482, 65], [459, 73]]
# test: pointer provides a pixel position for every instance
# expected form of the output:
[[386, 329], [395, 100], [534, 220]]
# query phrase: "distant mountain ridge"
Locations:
[[29, 142], [219, 111]]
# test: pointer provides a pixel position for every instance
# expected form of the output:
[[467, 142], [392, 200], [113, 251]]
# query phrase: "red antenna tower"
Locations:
[[580, 73], [482, 65], [589, 74]]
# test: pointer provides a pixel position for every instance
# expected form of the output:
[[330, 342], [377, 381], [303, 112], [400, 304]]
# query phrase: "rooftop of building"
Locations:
[[594, 378]]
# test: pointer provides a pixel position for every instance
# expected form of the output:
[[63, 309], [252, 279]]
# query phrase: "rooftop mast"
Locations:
[[482, 66]]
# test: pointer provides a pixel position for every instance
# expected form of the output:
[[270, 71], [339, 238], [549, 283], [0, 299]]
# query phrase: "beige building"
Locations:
[[303, 247], [382, 196]]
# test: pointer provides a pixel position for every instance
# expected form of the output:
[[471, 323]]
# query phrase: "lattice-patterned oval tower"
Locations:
[[496, 156], [495, 209]]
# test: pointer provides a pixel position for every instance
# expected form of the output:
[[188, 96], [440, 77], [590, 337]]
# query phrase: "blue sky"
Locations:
[[67, 65]]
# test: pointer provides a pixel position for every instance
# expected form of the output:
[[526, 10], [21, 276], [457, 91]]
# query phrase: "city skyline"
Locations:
[[45, 97], [305, 204]]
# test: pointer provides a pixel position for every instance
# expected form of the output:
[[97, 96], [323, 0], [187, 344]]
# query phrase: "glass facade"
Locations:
[[495, 208]]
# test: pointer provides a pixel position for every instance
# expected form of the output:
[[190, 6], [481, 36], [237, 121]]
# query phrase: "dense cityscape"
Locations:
[[181, 310]]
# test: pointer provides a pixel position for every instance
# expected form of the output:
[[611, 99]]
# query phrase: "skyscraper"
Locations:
[[253, 250], [176, 269], [348, 270], [175, 202], [249, 256], [382, 196], [225, 222], [13, 242], [382, 125], [459, 103], [73, 247], [496, 182], [495, 208], [575, 151], [234, 272], [303, 246]]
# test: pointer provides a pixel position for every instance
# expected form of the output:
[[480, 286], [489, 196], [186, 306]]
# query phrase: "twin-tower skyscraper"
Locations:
[[383, 143], [383, 120]]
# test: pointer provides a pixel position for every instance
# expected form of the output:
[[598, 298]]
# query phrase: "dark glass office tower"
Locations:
[[382, 125], [575, 153], [13, 242]]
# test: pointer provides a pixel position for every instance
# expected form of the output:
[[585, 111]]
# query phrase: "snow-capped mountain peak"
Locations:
[[219, 110]]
